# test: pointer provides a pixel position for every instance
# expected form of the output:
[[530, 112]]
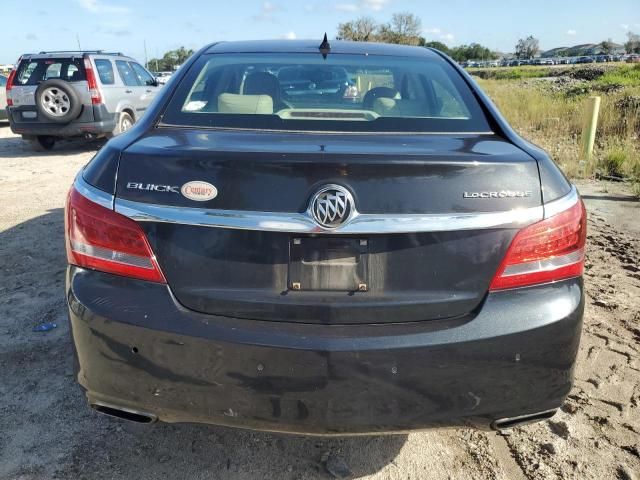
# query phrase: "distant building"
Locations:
[[6, 67], [582, 50]]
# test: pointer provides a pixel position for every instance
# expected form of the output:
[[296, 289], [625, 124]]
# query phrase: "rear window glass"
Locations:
[[34, 71], [105, 71], [344, 93]]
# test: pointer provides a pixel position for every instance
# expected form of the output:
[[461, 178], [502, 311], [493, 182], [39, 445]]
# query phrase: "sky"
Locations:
[[126, 25]]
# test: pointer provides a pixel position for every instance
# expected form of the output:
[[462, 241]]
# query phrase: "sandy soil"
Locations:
[[47, 431]]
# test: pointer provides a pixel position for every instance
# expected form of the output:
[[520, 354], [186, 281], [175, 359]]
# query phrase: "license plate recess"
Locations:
[[329, 264]]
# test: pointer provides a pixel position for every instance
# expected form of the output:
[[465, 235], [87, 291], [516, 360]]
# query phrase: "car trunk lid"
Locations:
[[435, 261]]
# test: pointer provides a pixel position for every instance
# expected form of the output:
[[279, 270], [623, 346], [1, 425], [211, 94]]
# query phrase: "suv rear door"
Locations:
[[33, 70]]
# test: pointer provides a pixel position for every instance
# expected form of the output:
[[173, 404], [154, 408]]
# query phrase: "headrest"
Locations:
[[261, 83], [389, 107], [234, 103]]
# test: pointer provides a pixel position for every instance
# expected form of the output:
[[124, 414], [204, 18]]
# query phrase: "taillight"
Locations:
[[101, 239], [547, 251], [96, 98], [9, 86]]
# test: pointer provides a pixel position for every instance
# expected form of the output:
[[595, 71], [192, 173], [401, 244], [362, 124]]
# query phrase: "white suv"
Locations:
[[52, 95]]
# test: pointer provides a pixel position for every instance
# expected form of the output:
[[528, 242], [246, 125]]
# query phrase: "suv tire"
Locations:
[[41, 143], [57, 101], [125, 122]]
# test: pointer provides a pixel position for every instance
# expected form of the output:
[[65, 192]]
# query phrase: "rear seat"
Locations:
[[390, 107], [234, 103]]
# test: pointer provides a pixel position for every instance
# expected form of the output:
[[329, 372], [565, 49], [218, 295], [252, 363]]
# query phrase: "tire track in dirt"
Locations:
[[596, 433]]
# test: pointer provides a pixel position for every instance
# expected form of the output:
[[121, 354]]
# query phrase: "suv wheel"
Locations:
[[57, 101], [41, 143], [125, 122]]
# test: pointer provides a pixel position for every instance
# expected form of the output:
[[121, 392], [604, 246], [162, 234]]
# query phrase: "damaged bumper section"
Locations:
[[139, 351]]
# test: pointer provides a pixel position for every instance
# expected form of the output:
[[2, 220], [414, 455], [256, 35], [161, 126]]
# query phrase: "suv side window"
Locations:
[[143, 76], [105, 71], [129, 78]]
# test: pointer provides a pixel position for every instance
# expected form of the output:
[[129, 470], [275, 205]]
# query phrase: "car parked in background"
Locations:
[[584, 59], [309, 82], [262, 253], [3, 98], [53, 95], [543, 61], [162, 77], [633, 58]]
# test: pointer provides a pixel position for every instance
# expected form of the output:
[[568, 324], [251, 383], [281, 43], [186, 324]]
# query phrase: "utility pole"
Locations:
[[78, 40], [146, 58]]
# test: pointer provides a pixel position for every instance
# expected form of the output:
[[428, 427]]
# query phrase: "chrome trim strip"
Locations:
[[302, 223], [562, 203], [92, 193]]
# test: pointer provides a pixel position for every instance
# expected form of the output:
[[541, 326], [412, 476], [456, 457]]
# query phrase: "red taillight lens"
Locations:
[[101, 239], [9, 86], [96, 98], [547, 251]]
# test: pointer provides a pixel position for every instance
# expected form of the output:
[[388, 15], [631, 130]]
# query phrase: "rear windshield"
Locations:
[[34, 71], [342, 93]]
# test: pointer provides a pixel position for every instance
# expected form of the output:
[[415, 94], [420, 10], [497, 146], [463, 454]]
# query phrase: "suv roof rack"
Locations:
[[98, 52]]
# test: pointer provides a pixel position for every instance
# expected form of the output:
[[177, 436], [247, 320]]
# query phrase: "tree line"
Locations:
[[170, 61], [406, 28], [632, 45]]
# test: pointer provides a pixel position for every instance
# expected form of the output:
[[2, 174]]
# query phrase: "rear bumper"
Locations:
[[92, 121], [137, 348]]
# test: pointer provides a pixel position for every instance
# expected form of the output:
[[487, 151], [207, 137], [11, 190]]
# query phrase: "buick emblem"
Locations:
[[331, 206]]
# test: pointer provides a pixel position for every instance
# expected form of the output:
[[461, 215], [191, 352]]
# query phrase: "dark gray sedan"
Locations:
[[392, 260]]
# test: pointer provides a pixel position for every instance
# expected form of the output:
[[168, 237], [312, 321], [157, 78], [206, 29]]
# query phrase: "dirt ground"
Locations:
[[47, 431]]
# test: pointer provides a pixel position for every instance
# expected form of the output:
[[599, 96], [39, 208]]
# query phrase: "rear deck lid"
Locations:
[[434, 215]]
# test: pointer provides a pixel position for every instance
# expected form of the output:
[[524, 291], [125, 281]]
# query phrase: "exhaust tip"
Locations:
[[124, 413], [512, 422]]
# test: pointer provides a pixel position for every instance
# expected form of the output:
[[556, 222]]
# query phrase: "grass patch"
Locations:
[[602, 74], [612, 162], [628, 75], [510, 73], [554, 120]]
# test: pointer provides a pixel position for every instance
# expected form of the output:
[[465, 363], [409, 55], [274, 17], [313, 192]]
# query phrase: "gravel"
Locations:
[[49, 432]]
